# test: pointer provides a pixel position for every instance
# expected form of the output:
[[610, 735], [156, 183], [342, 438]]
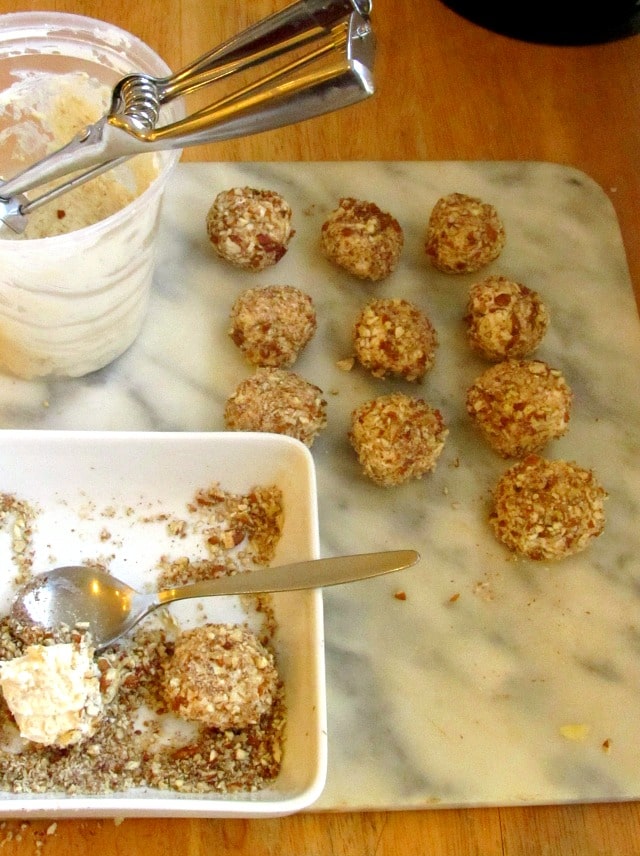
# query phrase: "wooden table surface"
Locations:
[[446, 90]]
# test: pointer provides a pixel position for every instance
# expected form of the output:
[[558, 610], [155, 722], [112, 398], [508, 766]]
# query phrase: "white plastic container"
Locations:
[[72, 303]]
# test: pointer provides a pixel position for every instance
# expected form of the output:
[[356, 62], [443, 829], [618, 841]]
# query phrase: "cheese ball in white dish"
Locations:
[[222, 676]]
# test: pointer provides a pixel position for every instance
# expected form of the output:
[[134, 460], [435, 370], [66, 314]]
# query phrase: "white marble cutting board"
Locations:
[[496, 681]]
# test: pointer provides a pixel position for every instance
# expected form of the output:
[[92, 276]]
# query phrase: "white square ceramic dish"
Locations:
[[67, 475]]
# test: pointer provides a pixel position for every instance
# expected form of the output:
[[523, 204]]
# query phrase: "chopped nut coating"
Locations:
[[362, 239], [272, 324], [277, 401], [519, 406], [504, 319], [545, 509], [464, 234], [397, 437], [394, 337], [220, 675], [250, 228]]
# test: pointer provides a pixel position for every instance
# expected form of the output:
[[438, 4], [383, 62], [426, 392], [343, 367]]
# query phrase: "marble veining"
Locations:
[[496, 681]]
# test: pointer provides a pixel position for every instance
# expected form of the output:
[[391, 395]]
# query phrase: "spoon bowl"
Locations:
[[79, 595]]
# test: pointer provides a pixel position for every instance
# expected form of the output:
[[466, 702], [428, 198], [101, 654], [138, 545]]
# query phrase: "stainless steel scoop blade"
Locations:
[[332, 67]]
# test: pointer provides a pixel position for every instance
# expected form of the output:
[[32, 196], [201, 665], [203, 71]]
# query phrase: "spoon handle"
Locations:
[[316, 573]]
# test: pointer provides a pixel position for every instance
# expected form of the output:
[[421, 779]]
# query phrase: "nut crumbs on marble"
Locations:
[[346, 364], [575, 731]]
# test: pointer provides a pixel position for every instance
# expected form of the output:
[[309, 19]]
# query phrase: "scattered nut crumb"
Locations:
[[346, 364], [177, 528], [16, 517], [576, 732]]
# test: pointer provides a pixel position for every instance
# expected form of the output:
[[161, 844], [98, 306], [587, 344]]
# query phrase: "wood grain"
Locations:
[[447, 90]]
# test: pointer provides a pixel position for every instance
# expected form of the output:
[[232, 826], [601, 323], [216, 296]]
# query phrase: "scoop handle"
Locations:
[[292, 27], [315, 573]]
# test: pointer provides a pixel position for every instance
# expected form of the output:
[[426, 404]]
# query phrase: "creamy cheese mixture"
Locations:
[[53, 692]]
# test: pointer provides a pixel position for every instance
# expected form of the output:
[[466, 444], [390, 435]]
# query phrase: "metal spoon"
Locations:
[[109, 608]]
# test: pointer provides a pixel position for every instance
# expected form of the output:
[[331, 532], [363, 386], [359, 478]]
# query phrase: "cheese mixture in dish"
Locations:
[[41, 112], [53, 692], [75, 286], [79, 723]]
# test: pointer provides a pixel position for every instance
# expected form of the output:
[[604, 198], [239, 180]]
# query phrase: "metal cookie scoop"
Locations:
[[334, 72], [110, 608]]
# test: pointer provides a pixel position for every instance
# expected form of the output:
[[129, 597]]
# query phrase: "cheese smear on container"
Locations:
[[74, 289]]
